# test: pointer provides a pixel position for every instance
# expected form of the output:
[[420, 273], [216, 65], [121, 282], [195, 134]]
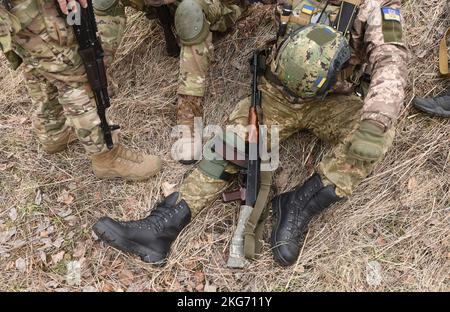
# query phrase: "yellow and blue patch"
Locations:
[[320, 82], [308, 9], [390, 14], [329, 29]]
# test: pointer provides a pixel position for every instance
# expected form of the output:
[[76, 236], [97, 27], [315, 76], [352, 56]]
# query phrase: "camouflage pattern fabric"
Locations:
[[375, 42], [55, 76], [194, 59], [318, 51], [333, 120]]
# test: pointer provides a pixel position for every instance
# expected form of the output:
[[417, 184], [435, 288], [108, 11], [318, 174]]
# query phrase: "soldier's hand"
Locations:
[[368, 142], [64, 5]]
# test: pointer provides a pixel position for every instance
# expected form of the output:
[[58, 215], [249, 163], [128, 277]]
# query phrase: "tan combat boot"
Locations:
[[60, 144], [121, 162], [189, 107]]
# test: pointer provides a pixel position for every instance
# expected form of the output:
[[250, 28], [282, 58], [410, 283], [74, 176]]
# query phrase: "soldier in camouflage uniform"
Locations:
[[195, 20], [65, 109], [314, 81]]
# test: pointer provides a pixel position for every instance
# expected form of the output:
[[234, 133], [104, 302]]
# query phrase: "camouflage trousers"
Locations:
[[333, 120], [61, 107], [194, 59], [55, 77]]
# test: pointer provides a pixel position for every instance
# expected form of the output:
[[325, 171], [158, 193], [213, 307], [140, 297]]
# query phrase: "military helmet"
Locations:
[[309, 60]]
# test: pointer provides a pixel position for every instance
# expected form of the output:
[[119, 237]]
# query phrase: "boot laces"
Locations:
[[159, 216], [129, 155]]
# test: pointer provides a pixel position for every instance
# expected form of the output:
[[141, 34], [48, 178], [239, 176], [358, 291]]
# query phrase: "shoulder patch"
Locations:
[[308, 9], [390, 14]]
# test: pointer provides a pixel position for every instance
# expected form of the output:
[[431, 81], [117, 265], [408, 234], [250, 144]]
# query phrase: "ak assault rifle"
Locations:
[[166, 20], [249, 194], [91, 52]]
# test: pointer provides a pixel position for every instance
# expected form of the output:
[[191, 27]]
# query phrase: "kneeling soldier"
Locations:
[[314, 79]]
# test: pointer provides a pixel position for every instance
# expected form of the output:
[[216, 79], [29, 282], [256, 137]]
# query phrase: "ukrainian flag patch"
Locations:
[[390, 14], [319, 82], [308, 9]]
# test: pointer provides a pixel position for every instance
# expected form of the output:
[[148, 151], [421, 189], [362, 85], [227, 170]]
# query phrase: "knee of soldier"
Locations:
[[108, 8], [222, 156], [190, 23]]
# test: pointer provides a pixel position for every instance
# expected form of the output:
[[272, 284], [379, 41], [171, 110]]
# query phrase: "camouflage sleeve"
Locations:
[[380, 29]]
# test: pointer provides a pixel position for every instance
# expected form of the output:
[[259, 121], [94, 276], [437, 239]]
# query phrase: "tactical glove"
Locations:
[[367, 142]]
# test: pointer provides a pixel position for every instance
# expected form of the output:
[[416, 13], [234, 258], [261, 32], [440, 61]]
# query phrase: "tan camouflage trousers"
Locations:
[[61, 106], [194, 59], [55, 77], [333, 120]]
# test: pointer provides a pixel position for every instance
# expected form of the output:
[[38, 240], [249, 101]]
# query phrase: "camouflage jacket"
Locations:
[[378, 41]]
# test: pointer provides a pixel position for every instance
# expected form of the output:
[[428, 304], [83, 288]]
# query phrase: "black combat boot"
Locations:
[[438, 106], [151, 237], [292, 212]]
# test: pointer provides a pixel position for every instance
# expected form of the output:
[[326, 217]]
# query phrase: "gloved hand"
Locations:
[[367, 142]]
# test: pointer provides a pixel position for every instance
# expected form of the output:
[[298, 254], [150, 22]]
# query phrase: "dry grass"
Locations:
[[396, 220]]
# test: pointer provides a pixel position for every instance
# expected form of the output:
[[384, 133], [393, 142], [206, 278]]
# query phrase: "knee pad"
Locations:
[[221, 152], [108, 7], [190, 23]]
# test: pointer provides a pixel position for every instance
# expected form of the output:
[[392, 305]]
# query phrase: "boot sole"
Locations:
[[105, 176], [108, 235], [440, 113], [276, 206]]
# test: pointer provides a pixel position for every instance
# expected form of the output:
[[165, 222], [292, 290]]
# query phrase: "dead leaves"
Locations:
[[126, 277], [21, 265], [66, 198], [13, 214], [56, 258], [168, 188]]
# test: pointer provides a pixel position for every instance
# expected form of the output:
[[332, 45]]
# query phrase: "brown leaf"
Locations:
[[108, 287], [65, 198], [58, 257], [200, 287], [79, 250], [98, 196], [126, 277], [199, 277], [168, 188], [380, 241]]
